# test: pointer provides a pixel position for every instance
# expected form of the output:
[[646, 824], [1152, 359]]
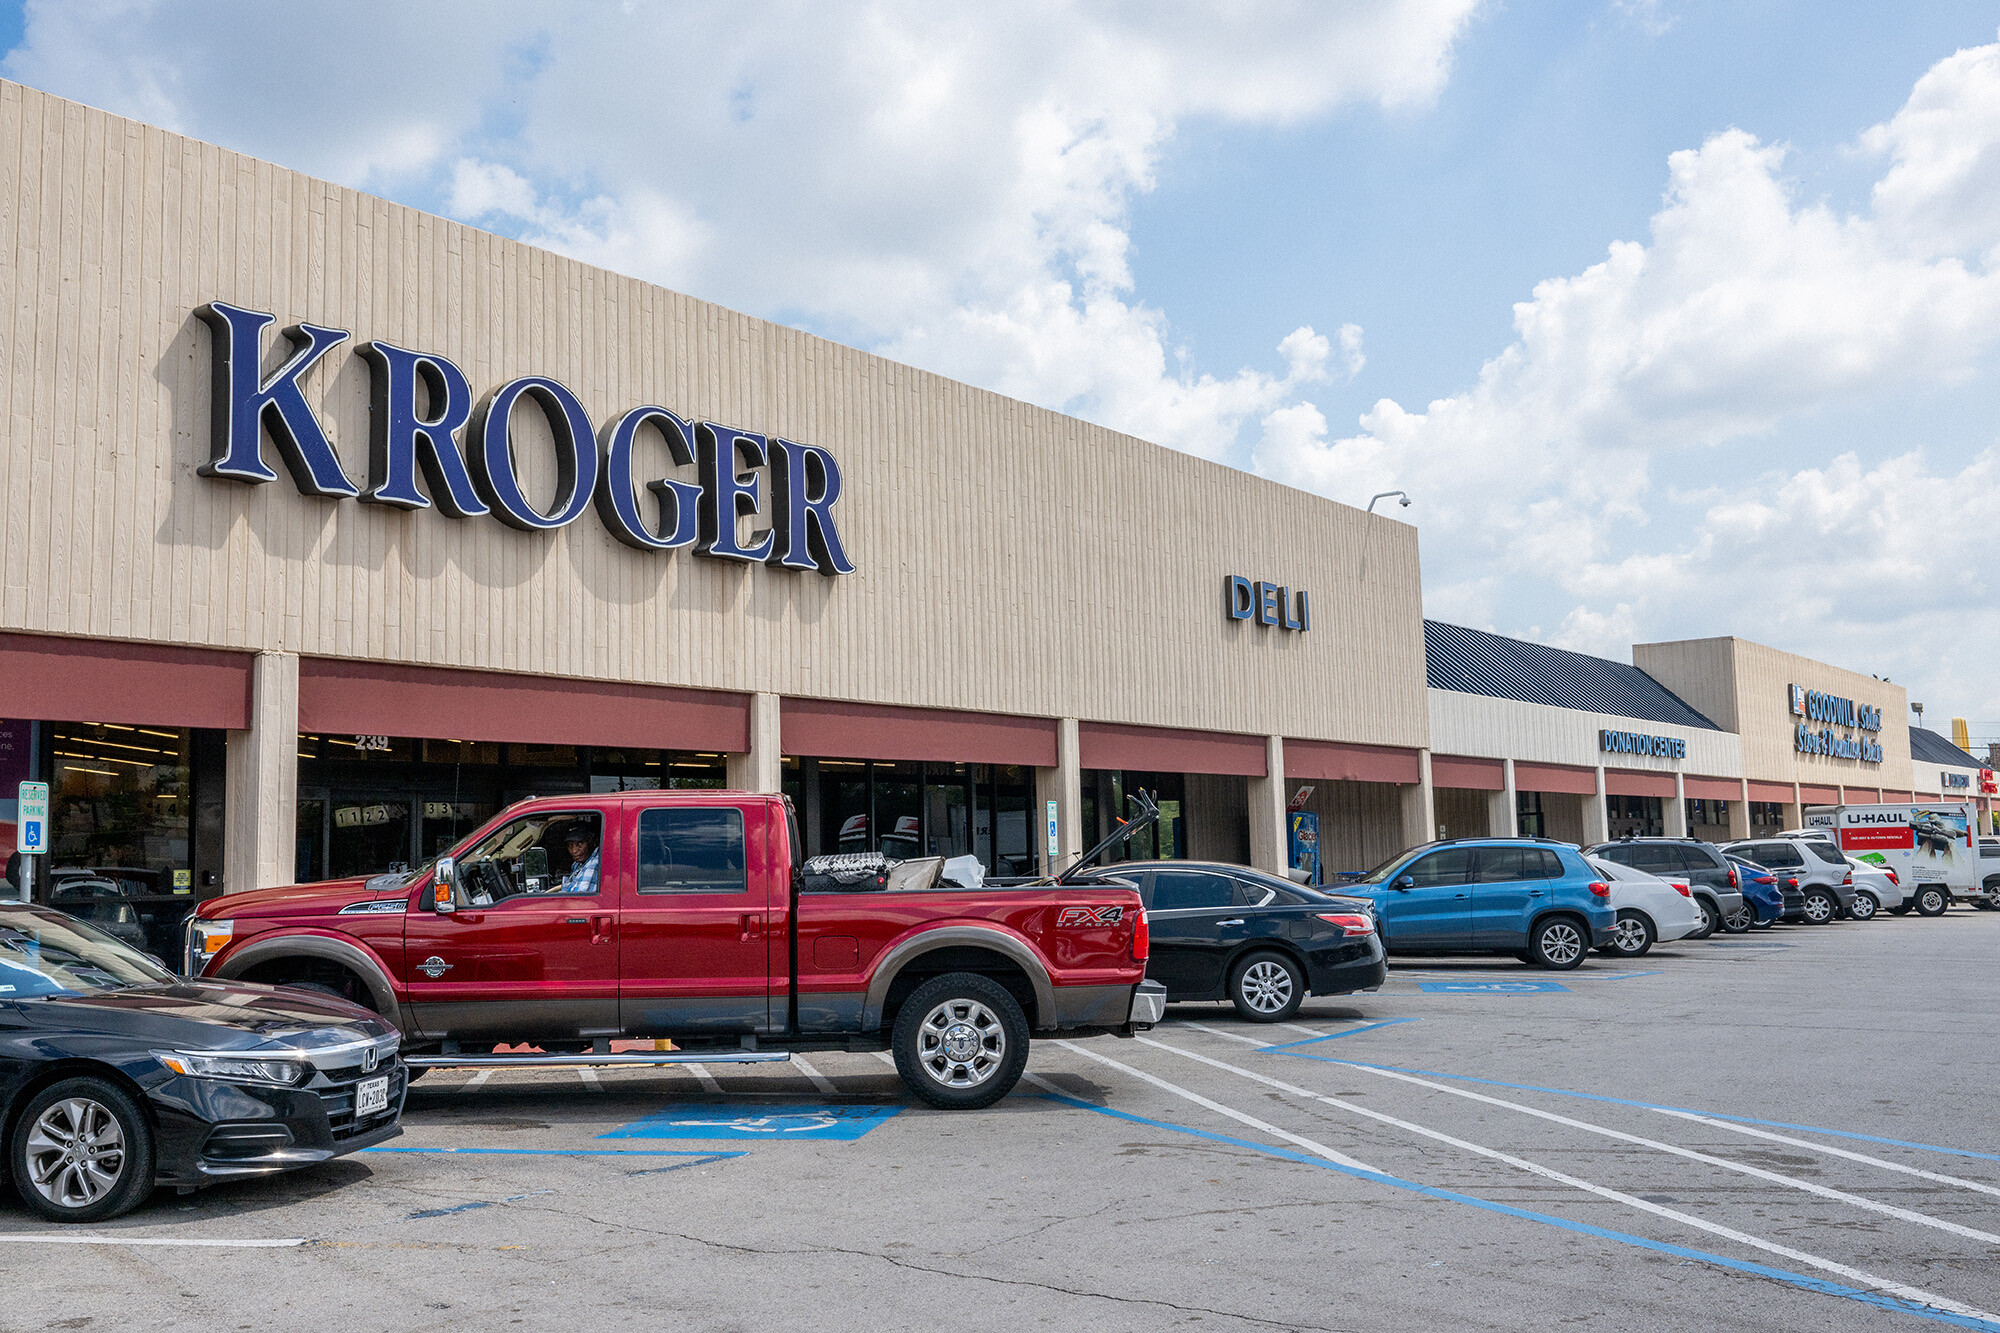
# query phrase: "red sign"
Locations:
[[1879, 838], [1987, 786]]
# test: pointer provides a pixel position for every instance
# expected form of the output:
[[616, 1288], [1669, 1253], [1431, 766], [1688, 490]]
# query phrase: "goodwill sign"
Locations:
[[465, 450]]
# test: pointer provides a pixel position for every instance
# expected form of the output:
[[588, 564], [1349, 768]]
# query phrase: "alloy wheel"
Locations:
[[1864, 907], [1741, 919], [1561, 944], [1819, 909], [75, 1153], [961, 1043], [1266, 986], [1629, 936]]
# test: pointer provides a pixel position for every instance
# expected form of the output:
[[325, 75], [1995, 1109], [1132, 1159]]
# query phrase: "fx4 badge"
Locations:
[[1090, 916], [434, 967]]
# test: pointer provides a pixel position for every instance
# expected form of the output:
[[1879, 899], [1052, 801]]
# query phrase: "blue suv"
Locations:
[[1531, 897]]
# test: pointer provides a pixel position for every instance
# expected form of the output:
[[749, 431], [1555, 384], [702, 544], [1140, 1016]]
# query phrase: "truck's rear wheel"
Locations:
[[1932, 900], [960, 1042]]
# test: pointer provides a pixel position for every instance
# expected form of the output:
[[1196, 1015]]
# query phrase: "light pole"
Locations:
[[1404, 501]]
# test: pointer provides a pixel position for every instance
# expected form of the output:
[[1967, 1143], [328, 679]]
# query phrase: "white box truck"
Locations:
[[1933, 847]]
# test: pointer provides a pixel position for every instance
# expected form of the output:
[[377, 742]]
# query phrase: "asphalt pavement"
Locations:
[[1779, 1130]]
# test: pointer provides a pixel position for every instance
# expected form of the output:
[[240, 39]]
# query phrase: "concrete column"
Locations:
[[763, 767], [1268, 840], [1062, 784], [1503, 807], [1739, 813], [1795, 812], [1420, 805], [1677, 814], [1596, 814], [261, 781]]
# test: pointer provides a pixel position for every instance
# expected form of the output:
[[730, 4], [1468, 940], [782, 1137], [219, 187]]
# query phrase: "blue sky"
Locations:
[[1676, 318]]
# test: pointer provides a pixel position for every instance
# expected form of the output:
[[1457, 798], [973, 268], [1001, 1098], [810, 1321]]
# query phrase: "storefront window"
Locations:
[[1166, 840], [1528, 814], [119, 798], [1639, 816], [910, 809]]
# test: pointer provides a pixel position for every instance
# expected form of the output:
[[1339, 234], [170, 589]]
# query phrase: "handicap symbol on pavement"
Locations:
[[1492, 987], [766, 1121]]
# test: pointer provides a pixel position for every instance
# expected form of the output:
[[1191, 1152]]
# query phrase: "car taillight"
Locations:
[[1847, 879], [1142, 938], [1600, 888], [1683, 889], [1891, 874], [1354, 923], [1733, 883]]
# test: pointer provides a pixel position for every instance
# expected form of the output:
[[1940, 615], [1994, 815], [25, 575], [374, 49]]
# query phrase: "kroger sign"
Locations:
[[465, 451]]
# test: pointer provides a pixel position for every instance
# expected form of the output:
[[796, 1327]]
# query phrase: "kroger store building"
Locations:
[[328, 528]]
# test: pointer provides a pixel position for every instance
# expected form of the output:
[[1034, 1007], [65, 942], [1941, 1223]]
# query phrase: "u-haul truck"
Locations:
[[1933, 846]]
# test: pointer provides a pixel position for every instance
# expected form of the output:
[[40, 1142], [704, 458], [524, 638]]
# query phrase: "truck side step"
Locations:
[[625, 1058]]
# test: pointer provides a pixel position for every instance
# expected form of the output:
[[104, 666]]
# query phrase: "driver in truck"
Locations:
[[582, 874]]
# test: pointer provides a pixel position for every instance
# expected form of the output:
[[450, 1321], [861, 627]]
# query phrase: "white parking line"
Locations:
[[1224, 1032], [1830, 1151], [72, 1239], [1317, 1149], [817, 1079], [1867, 1280], [1741, 1168], [707, 1079], [478, 1077], [589, 1077]]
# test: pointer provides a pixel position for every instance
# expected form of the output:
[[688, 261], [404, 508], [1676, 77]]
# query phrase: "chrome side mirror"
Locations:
[[444, 885]]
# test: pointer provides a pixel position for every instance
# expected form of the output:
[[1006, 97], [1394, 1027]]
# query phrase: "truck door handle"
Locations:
[[749, 928], [600, 930], [1233, 921]]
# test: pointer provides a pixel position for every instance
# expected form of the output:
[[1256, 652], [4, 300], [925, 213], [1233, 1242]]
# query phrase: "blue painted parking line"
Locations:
[[556, 1152], [1624, 976], [766, 1122], [1351, 1032], [1491, 987], [1804, 1281]]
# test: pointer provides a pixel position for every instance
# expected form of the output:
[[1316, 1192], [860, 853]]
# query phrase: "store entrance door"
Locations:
[[345, 833]]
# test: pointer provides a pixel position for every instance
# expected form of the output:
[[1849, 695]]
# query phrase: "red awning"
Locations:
[[45, 678], [1712, 789], [1897, 797], [1861, 795], [1451, 770], [1333, 761], [379, 699], [1634, 782], [1555, 778], [823, 727], [1818, 795], [1773, 793], [1160, 750]]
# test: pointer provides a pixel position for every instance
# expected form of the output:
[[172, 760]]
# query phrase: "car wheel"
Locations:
[[1632, 937], [1711, 920], [1865, 907], [1821, 907], [1267, 987], [1559, 943], [1931, 901], [960, 1042], [1740, 920], [82, 1152]]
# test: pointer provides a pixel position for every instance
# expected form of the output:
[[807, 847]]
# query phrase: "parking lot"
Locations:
[[1775, 1130]]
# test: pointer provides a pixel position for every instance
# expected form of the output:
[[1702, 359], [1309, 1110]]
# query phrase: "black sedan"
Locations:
[[1226, 932], [116, 1075]]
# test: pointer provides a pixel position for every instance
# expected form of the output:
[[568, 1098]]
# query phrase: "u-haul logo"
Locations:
[[1090, 916]]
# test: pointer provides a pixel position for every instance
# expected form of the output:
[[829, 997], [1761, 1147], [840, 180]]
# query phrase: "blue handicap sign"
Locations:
[[766, 1122], [1492, 987]]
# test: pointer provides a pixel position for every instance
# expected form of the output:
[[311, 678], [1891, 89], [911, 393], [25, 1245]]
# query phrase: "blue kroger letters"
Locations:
[[467, 459], [243, 404]]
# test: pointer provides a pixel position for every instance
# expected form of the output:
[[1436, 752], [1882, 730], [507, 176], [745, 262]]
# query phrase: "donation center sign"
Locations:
[[465, 452]]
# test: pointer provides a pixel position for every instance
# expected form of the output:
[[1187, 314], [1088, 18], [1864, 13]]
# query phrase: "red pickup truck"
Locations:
[[570, 923]]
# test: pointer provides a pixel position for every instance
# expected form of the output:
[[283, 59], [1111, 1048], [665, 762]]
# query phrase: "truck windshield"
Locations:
[[45, 953]]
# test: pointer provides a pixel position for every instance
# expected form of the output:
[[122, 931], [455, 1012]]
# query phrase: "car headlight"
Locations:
[[285, 1071], [206, 939]]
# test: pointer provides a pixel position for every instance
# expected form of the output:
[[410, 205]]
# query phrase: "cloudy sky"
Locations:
[[1675, 317]]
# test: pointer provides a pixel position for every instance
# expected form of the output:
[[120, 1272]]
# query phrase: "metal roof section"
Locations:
[[1927, 747], [1471, 661]]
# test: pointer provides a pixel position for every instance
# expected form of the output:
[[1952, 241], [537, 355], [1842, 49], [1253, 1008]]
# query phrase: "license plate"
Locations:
[[371, 1095]]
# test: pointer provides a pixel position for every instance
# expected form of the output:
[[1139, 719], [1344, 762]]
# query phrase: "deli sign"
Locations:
[[465, 451]]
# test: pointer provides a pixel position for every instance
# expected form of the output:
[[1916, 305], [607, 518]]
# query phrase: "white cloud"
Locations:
[[1747, 311], [949, 186]]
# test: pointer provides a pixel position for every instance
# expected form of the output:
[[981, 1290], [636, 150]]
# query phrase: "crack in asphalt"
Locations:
[[947, 1272]]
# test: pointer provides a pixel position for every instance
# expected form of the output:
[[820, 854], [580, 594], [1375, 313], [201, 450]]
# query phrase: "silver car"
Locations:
[[1821, 869]]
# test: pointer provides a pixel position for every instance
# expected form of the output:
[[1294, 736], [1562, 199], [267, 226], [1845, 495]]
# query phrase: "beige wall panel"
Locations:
[[1473, 724], [1011, 559], [1754, 683], [1463, 813]]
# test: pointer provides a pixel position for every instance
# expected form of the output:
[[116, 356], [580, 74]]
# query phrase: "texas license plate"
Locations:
[[371, 1095]]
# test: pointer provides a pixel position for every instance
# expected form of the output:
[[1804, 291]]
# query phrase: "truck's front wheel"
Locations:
[[960, 1041]]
